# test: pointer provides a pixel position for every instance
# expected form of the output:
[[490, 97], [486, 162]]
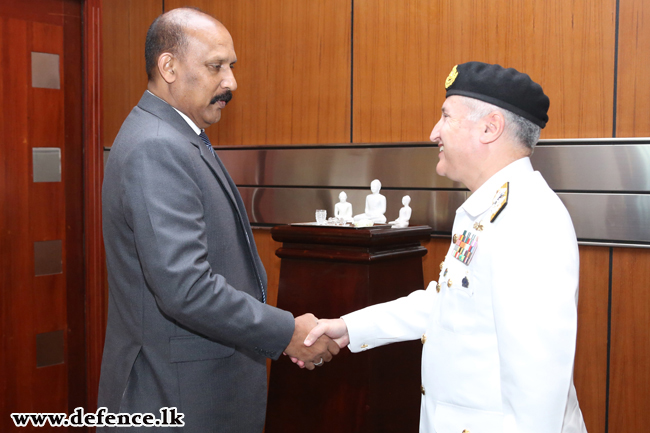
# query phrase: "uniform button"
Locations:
[[438, 287], [455, 238], [424, 338], [422, 389], [466, 431], [449, 283], [442, 264], [364, 346]]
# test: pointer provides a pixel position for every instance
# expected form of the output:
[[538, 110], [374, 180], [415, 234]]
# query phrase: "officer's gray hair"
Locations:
[[519, 129]]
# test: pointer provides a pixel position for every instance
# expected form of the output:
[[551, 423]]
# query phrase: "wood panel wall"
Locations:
[[633, 102], [355, 71], [293, 71], [629, 393], [124, 27], [403, 51], [590, 371]]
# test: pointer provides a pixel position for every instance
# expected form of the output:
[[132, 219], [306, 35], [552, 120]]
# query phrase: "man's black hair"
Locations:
[[166, 34]]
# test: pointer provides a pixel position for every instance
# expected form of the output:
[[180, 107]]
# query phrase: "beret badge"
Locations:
[[452, 76]]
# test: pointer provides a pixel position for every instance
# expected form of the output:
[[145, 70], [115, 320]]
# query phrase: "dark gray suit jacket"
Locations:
[[187, 325]]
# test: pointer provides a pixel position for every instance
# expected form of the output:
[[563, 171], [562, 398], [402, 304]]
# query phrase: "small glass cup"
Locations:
[[321, 216]]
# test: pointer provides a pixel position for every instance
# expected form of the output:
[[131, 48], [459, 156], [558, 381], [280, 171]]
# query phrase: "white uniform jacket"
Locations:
[[499, 331]]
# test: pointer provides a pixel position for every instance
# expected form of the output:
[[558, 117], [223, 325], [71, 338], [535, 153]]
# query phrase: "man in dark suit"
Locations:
[[188, 326]]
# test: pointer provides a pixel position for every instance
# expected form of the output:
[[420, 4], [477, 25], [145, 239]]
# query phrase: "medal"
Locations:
[[465, 246]]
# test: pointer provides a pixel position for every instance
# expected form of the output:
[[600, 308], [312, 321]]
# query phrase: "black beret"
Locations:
[[505, 88]]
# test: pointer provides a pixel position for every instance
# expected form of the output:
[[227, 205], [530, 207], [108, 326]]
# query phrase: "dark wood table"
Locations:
[[330, 271]]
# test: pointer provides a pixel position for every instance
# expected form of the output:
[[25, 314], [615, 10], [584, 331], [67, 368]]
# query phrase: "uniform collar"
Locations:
[[481, 199]]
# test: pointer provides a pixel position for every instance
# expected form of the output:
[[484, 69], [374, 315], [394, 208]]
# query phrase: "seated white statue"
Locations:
[[375, 205], [404, 214], [343, 209]]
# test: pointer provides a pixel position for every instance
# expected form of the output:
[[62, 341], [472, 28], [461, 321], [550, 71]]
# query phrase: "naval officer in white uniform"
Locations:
[[498, 328]]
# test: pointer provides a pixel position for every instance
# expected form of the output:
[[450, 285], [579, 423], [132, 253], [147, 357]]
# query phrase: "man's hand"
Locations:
[[336, 329], [320, 350]]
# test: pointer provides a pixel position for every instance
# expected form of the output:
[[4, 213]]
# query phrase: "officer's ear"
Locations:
[[166, 64], [493, 126]]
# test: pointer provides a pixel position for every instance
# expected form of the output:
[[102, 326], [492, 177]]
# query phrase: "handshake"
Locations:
[[315, 341]]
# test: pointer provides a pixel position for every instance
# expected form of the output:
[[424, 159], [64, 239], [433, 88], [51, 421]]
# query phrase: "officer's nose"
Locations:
[[435, 133], [229, 81]]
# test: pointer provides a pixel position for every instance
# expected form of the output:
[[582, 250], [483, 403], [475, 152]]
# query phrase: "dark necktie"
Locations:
[[206, 140]]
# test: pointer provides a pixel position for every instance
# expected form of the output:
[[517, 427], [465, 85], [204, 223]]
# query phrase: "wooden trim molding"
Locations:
[[96, 299]]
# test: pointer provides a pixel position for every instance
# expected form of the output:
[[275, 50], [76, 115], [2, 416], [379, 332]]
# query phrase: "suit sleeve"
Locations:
[[535, 280], [163, 205], [403, 319]]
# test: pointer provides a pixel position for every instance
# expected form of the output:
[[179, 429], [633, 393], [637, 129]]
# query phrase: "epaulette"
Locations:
[[500, 201]]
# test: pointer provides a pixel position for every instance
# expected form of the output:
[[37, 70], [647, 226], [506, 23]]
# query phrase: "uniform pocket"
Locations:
[[193, 348], [455, 419], [457, 301]]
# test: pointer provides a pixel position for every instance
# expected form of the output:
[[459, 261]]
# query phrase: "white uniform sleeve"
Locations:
[[403, 319], [535, 280]]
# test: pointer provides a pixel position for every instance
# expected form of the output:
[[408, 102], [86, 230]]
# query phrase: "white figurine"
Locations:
[[404, 214], [375, 205], [343, 209]]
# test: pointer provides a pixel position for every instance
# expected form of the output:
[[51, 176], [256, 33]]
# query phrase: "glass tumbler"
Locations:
[[321, 216]]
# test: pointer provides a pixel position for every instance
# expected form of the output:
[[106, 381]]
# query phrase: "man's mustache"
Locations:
[[225, 96]]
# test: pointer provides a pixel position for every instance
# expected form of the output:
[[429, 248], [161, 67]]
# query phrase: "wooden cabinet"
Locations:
[[330, 272]]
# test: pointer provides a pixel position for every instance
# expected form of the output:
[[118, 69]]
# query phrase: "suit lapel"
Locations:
[[159, 108], [220, 172], [164, 111], [216, 168]]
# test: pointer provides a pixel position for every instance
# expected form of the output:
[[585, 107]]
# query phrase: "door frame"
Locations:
[[95, 267]]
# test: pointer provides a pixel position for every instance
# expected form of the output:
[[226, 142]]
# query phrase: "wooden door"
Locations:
[[42, 366]]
